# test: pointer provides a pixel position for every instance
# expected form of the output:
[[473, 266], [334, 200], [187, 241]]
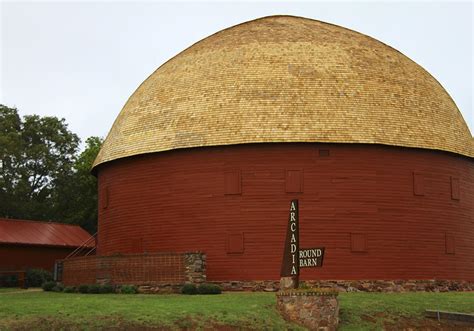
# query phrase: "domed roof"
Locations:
[[287, 79]]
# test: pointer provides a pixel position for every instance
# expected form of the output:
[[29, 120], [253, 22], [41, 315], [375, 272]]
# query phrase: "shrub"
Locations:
[[209, 289], [58, 287], [69, 289], [106, 289], [83, 288], [128, 289], [94, 288], [189, 289], [8, 280], [36, 277], [48, 286]]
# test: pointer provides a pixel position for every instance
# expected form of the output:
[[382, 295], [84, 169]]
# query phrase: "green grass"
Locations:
[[254, 310], [9, 289], [50, 310]]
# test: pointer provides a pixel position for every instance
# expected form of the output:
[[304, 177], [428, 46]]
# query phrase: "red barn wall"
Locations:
[[381, 212], [22, 257]]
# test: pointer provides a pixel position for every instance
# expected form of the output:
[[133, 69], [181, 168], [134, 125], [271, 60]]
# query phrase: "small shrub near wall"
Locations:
[[94, 289], [58, 287], [103, 289], [8, 280], [83, 288], [48, 286], [128, 289], [190, 289], [201, 289], [36, 277], [70, 289], [209, 289]]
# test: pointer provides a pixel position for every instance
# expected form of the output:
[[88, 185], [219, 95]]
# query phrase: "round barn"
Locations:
[[208, 152]]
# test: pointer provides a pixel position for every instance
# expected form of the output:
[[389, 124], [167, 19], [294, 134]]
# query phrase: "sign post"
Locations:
[[295, 258], [290, 268]]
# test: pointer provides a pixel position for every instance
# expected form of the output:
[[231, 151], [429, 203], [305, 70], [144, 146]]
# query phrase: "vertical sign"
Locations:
[[290, 266]]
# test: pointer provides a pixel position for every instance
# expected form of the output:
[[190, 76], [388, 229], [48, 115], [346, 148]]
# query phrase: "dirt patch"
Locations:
[[426, 324], [113, 324], [49, 323], [373, 318]]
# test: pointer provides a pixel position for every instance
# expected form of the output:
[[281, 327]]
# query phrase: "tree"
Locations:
[[36, 153], [10, 159], [77, 197], [42, 177]]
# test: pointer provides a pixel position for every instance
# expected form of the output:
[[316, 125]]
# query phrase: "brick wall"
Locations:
[[137, 269]]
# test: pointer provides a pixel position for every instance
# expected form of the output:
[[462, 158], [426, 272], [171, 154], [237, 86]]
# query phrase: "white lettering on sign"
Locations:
[[294, 239], [293, 227], [293, 248], [308, 262], [293, 270], [305, 253], [311, 257]]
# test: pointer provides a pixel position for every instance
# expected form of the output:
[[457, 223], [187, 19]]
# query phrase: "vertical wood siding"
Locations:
[[179, 201]]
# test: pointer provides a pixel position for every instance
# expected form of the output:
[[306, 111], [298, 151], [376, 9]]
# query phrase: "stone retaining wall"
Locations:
[[356, 285], [315, 310]]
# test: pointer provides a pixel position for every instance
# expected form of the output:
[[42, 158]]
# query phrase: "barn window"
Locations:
[[358, 242], [418, 184], [324, 152], [294, 181], [232, 182], [450, 244], [235, 243], [455, 188]]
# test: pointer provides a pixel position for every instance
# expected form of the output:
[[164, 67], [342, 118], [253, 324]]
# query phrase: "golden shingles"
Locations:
[[287, 79]]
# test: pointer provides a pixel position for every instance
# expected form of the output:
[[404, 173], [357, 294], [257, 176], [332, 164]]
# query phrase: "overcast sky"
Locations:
[[81, 61]]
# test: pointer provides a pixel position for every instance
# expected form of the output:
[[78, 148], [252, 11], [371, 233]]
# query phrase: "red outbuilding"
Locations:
[[28, 244]]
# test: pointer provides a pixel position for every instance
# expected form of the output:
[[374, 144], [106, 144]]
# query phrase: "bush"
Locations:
[[83, 288], [36, 277], [94, 289], [8, 280], [106, 289], [58, 287], [190, 289], [128, 289], [69, 289], [209, 289], [48, 286]]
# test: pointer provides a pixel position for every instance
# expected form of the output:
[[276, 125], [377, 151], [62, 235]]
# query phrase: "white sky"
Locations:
[[81, 61]]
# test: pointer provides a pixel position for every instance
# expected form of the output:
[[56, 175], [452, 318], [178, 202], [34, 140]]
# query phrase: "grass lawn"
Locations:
[[47, 310], [8, 289]]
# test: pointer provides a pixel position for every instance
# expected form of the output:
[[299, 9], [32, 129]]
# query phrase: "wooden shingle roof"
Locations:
[[287, 79]]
